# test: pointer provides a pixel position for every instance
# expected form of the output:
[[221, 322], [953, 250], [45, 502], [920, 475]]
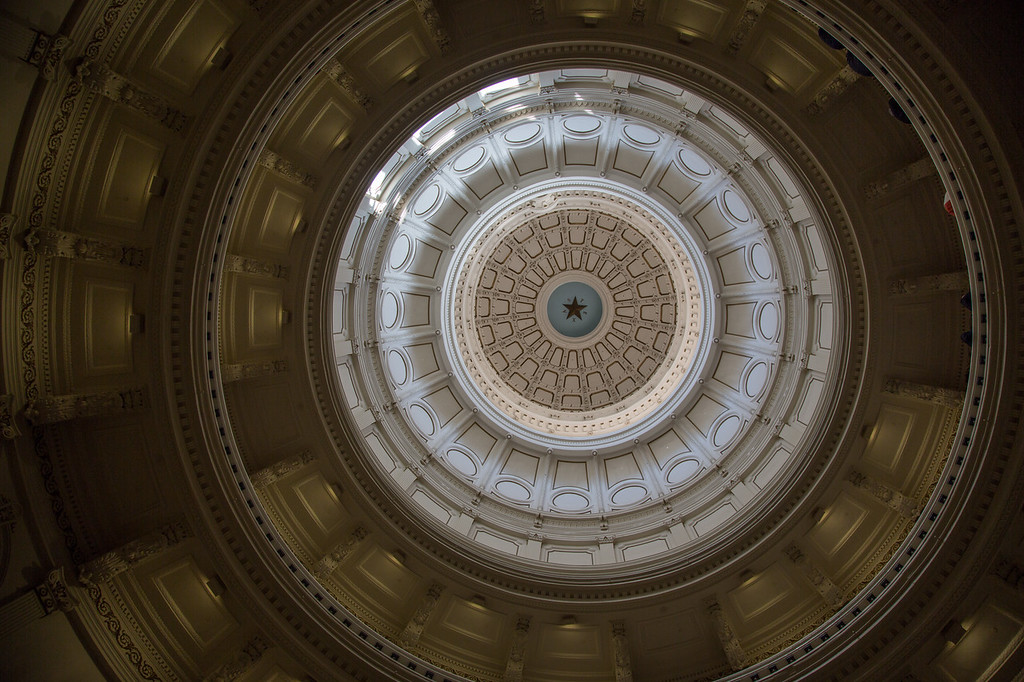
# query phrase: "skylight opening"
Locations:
[[501, 86]]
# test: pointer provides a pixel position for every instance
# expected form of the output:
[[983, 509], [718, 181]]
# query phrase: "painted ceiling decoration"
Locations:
[[505, 341]]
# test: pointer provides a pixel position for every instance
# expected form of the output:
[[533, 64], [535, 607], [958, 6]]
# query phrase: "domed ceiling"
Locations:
[[499, 231], [547, 341]]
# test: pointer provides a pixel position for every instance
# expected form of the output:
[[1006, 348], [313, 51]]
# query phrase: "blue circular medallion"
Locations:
[[574, 309]]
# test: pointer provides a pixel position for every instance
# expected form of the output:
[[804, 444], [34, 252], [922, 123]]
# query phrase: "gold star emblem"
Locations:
[[574, 309]]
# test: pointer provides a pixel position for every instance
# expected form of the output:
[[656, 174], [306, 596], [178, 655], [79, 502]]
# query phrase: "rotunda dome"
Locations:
[[510, 341]]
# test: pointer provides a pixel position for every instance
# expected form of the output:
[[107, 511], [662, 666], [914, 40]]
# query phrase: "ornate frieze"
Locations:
[[333, 559], [620, 648], [828, 590], [947, 397], [115, 87], [922, 168], [337, 72], [638, 12], [751, 14], [893, 499], [242, 662], [278, 470], [59, 408], [414, 628], [947, 281], [117, 561], [286, 168], [252, 370], [58, 244], [517, 651], [730, 642], [435, 28], [828, 94]]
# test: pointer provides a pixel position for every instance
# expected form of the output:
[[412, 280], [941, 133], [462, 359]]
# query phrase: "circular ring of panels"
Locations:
[[710, 358]]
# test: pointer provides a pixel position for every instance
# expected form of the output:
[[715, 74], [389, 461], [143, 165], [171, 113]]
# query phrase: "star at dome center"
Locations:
[[574, 309]]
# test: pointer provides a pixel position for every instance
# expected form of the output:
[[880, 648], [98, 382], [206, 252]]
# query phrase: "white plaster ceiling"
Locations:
[[457, 231]]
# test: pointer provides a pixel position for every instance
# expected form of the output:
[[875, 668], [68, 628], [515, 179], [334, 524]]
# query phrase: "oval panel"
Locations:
[[570, 501], [397, 367], [694, 162], [389, 310], [631, 494], [400, 251], [756, 379], [427, 199], [760, 260], [682, 471], [513, 490], [581, 124], [726, 431], [468, 159], [523, 133], [641, 134], [422, 420], [735, 206], [462, 462], [768, 321]]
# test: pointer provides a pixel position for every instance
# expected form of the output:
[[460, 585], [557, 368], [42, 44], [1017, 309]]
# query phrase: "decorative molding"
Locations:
[[54, 593], [1010, 572], [947, 281], [726, 636], [893, 499], [414, 628], [947, 397], [639, 12], [7, 223], [428, 12], [59, 408], [117, 88], [288, 169], [10, 512], [254, 266], [620, 649], [901, 177], [751, 14], [273, 473], [517, 650], [117, 561], [57, 244], [47, 52], [8, 428], [242, 662], [334, 70], [120, 635], [333, 559], [19, 613], [827, 96], [252, 370], [832, 595], [537, 11]]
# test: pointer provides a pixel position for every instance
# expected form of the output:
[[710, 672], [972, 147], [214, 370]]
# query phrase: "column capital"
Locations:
[[55, 594]]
